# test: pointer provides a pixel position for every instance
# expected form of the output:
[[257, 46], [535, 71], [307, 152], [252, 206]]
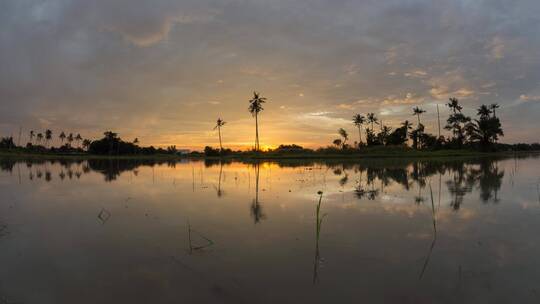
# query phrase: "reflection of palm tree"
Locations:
[[358, 121], [255, 106], [318, 224], [219, 192], [434, 218], [220, 123], [256, 208]]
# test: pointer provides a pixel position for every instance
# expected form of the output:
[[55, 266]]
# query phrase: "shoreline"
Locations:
[[412, 154]]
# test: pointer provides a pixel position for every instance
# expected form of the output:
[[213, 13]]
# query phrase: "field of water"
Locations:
[[373, 231]]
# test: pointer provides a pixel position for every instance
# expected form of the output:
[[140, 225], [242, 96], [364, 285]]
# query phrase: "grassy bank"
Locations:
[[377, 152]]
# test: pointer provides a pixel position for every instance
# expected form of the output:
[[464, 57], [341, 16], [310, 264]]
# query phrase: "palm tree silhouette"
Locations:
[[484, 111], [39, 137], [136, 141], [255, 106], [70, 139], [220, 123], [62, 137], [78, 138], [86, 143], [418, 111], [343, 133], [493, 108], [32, 134], [407, 126], [372, 119], [454, 105], [48, 136], [358, 121]]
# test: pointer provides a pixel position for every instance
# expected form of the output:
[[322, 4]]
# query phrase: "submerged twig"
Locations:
[[191, 246]]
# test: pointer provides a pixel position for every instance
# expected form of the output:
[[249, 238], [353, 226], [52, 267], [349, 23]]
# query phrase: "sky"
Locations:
[[163, 71]]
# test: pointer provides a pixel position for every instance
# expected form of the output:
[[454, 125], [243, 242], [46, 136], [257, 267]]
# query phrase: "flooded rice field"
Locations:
[[373, 231]]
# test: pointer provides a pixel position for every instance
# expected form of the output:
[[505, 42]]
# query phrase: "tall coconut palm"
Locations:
[[454, 105], [406, 126], [62, 137], [48, 136], [86, 144], [39, 137], [32, 134], [493, 107], [78, 138], [372, 119], [484, 111], [255, 106], [70, 139], [220, 123], [418, 111], [343, 133], [358, 121]]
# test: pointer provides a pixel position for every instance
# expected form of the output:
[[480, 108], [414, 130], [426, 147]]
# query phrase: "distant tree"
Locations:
[[343, 133], [456, 122], [337, 142], [136, 140], [358, 121], [62, 137], [399, 135], [78, 139], [255, 107], [485, 130], [86, 143], [48, 137], [418, 111], [384, 134], [372, 119], [39, 138], [493, 107], [407, 126], [70, 139], [32, 134], [220, 123]]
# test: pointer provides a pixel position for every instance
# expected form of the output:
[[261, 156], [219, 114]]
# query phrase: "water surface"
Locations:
[[387, 231]]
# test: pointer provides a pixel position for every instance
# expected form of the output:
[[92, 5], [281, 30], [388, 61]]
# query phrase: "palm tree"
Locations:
[[32, 134], [407, 126], [372, 119], [493, 108], [39, 137], [48, 136], [62, 136], [343, 133], [78, 138], [454, 105], [418, 111], [136, 141], [255, 106], [337, 142], [70, 139], [484, 111], [86, 144], [358, 121], [220, 123]]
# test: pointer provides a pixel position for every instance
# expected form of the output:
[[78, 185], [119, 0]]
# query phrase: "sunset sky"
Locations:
[[165, 70]]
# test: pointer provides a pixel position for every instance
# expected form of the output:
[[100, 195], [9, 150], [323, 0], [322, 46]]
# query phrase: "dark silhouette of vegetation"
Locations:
[[358, 121]]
